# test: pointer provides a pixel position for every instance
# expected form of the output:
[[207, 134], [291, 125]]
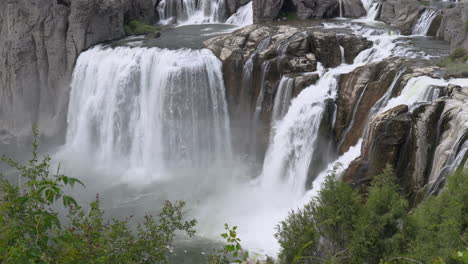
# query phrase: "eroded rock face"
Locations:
[[266, 10], [453, 27], [307, 9], [382, 144], [401, 14], [41, 40], [362, 91], [423, 146], [256, 57]]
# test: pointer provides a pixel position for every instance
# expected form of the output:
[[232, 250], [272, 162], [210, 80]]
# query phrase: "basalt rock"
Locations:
[[266, 10], [453, 26], [41, 40], [401, 14], [307, 9], [423, 146], [381, 146], [361, 92], [256, 57]]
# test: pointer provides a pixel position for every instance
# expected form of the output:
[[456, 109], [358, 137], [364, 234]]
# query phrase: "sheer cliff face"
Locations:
[[40, 42]]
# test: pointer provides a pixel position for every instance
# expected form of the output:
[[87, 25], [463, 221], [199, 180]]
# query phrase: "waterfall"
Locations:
[[341, 7], [282, 98], [149, 109], [423, 24], [373, 11], [243, 16], [191, 11]]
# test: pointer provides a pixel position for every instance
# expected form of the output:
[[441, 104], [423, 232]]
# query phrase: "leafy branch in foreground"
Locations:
[[232, 252], [32, 232]]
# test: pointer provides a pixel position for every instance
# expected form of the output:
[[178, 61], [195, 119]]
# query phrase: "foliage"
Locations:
[[297, 235], [232, 252], [458, 53], [380, 230], [136, 27], [321, 230], [438, 227], [343, 226], [31, 231]]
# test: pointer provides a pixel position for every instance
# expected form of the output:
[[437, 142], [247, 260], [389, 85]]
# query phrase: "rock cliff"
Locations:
[[41, 40]]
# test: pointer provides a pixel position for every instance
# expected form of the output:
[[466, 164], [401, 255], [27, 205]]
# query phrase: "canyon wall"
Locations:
[[41, 40]]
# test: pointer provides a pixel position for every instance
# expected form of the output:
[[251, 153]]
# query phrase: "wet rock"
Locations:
[[401, 14], [423, 146], [307, 9], [381, 146], [353, 45], [453, 27], [266, 10], [361, 92], [257, 56]]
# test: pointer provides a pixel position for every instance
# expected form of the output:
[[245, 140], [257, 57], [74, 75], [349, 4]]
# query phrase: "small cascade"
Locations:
[[149, 109], [341, 7], [243, 16], [373, 11], [282, 98], [423, 24], [191, 11]]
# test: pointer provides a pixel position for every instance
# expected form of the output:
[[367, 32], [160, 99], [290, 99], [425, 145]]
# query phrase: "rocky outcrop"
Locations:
[[453, 26], [307, 9], [423, 146], [362, 91], [401, 14], [266, 10], [256, 57], [381, 146], [40, 42]]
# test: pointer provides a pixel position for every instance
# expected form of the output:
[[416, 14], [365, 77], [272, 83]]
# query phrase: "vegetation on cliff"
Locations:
[[344, 226]]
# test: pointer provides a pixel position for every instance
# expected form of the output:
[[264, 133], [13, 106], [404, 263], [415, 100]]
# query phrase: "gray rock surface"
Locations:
[[328, 8], [41, 40], [453, 27], [256, 57], [266, 10], [401, 14]]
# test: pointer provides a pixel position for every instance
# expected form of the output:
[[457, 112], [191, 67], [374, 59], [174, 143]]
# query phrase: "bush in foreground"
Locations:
[[31, 231], [343, 226]]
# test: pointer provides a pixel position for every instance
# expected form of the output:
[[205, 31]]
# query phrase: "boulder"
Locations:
[[382, 145], [401, 14], [307, 9], [453, 26], [266, 10]]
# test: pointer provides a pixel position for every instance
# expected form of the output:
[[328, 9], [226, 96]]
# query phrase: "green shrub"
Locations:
[[458, 53], [323, 228], [438, 226], [466, 26], [136, 27], [232, 252], [31, 231], [379, 233]]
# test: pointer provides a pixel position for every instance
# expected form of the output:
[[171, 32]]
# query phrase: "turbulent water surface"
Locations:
[[148, 121]]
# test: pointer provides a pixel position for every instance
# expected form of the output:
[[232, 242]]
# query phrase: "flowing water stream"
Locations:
[[147, 124]]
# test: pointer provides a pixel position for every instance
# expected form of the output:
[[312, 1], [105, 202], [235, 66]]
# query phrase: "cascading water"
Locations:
[[243, 16], [191, 11], [150, 111], [423, 24], [282, 98], [153, 109]]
